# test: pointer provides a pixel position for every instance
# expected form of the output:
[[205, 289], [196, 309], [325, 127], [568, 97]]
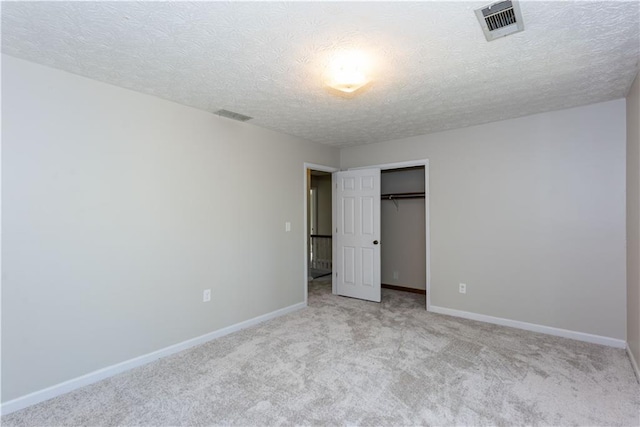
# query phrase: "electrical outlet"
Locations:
[[463, 288], [206, 295], [395, 275]]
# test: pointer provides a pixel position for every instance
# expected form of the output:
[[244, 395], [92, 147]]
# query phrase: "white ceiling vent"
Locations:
[[234, 116], [500, 19]]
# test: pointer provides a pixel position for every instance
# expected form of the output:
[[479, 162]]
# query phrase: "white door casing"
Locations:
[[357, 233]]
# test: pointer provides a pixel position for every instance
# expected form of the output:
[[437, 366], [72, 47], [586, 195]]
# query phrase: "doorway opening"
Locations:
[[319, 251], [318, 228]]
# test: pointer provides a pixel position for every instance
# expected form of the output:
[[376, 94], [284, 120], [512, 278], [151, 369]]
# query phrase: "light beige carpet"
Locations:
[[344, 361]]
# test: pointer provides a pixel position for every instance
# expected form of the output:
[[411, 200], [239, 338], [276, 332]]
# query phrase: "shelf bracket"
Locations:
[[395, 202]]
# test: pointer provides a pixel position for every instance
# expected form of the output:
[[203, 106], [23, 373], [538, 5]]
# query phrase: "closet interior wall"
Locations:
[[403, 241]]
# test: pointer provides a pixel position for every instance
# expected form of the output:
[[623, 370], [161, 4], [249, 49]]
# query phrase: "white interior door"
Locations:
[[357, 233]]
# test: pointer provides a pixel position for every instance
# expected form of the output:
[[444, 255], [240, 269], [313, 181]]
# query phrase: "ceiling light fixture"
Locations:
[[348, 71]]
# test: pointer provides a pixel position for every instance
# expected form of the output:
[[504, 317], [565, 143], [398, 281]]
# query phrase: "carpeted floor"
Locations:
[[344, 361]]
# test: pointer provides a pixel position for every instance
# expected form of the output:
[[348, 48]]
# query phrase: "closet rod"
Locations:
[[394, 197], [402, 196]]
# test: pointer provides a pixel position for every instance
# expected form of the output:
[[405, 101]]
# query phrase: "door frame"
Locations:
[[307, 183], [427, 219]]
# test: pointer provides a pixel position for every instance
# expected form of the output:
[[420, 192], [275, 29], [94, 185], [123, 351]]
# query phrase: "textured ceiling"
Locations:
[[433, 68]]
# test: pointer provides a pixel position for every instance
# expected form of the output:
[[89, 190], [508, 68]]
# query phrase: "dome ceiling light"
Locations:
[[348, 71]]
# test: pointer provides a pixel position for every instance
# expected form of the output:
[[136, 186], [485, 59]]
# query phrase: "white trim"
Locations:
[[634, 364], [565, 333], [320, 168], [408, 164], [427, 214], [305, 236], [396, 165], [100, 374], [334, 246]]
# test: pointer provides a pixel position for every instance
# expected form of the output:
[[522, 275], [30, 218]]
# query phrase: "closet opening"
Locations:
[[403, 231]]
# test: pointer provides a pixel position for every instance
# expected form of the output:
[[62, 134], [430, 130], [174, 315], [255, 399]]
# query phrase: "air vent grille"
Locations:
[[234, 116], [500, 19]]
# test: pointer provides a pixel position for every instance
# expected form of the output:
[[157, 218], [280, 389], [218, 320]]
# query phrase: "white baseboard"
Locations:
[[565, 333], [100, 374], [634, 363]]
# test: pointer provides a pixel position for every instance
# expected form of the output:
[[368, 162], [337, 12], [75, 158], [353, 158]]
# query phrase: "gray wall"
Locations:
[[119, 209], [402, 229], [529, 213], [633, 219]]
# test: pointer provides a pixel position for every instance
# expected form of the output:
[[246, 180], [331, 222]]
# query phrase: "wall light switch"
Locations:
[[287, 226]]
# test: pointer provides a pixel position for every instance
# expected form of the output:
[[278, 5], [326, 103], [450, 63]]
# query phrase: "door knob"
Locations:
[[375, 242]]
